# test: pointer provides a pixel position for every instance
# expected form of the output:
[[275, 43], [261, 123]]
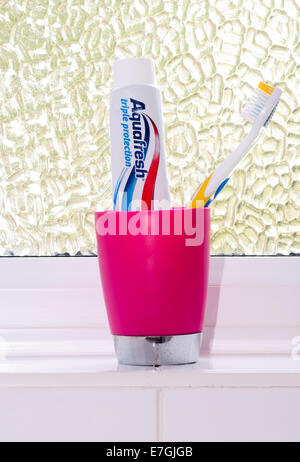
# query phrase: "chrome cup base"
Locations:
[[158, 350]]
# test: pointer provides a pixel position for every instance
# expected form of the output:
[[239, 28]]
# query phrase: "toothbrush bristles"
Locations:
[[266, 88], [257, 102], [254, 105]]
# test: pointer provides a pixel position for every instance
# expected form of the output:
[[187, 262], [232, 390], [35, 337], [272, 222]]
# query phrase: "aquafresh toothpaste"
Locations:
[[137, 140]]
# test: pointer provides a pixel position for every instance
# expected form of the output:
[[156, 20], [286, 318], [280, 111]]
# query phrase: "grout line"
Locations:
[[159, 415]]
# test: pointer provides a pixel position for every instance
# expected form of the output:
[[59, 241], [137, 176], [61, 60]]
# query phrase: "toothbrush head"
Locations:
[[262, 104]]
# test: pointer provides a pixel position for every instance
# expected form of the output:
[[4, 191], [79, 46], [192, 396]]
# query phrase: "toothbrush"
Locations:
[[259, 110]]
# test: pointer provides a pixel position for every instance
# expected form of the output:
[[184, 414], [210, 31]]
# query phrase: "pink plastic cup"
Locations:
[[154, 269]]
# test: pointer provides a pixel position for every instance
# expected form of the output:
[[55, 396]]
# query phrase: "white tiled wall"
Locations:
[[189, 414], [231, 414], [48, 414]]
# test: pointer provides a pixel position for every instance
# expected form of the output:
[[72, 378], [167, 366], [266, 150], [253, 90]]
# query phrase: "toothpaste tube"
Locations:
[[137, 141]]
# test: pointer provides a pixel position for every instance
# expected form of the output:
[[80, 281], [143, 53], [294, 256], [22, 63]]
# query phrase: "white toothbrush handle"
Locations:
[[226, 167]]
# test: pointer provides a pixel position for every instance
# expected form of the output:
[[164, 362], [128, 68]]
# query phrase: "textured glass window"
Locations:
[[55, 65]]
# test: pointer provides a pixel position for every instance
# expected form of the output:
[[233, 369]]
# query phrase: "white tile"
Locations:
[[213, 415], [77, 415]]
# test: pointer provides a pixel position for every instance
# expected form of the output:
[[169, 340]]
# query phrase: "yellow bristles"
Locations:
[[266, 88]]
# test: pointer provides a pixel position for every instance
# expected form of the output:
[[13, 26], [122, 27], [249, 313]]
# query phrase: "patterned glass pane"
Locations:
[[55, 65]]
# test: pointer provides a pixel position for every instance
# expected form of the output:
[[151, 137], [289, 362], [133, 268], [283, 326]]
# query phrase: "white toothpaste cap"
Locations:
[[133, 71]]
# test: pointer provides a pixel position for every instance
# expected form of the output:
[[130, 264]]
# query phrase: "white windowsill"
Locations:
[[54, 329], [104, 372]]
